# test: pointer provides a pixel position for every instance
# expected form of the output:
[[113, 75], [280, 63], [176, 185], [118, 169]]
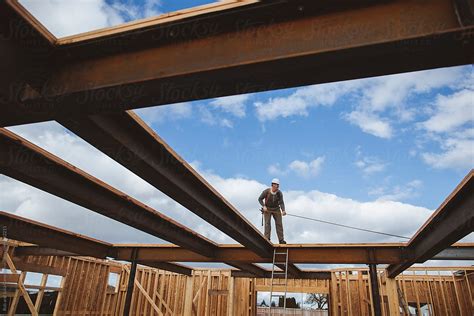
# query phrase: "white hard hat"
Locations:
[[275, 180]]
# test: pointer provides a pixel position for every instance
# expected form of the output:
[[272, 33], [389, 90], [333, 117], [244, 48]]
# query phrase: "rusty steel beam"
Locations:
[[250, 269], [54, 241], [27, 230], [453, 220], [298, 253], [383, 253], [28, 163], [32, 250], [293, 270], [254, 271], [169, 266], [266, 47], [129, 141], [315, 275]]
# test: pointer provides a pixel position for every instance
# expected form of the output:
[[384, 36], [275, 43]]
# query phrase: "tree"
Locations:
[[320, 301]]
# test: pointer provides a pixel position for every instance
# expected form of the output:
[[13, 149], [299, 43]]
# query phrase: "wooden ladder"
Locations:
[[279, 258]]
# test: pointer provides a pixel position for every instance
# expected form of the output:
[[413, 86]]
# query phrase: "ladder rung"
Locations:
[[280, 253], [280, 263]]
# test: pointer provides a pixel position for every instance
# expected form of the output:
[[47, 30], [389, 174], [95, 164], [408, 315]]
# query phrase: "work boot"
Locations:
[[282, 242]]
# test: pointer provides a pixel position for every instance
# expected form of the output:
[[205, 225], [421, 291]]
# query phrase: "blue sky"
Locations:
[[355, 162], [379, 153]]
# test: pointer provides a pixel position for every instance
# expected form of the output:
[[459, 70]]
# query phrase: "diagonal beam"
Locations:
[[33, 250], [293, 270], [453, 220], [265, 47], [129, 141], [54, 241], [28, 163], [27, 230], [249, 268]]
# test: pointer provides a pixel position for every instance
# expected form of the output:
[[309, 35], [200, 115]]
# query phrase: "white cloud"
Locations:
[[301, 168], [450, 125], [405, 218], [384, 101], [457, 153], [208, 117], [393, 91], [163, 113], [378, 103], [399, 192], [64, 18], [370, 165], [371, 123], [299, 102], [235, 105], [276, 170], [307, 169], [451, 112], [284, 107]]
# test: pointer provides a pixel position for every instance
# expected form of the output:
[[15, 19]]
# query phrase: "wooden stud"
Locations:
[[60, 295], [21, 289], [39, 298], [188, 297], [392, 295], [415, 289], [469, 289], [230, 298], [433, 309]]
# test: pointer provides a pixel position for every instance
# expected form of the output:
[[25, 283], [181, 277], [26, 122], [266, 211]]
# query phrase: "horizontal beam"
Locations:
[[30, 164], [168, 266], [465, 252], [339, 253], [386, 253], [27, 230], [268, 46], [34, 267], [315, 275], [453, 220], [129, 141]]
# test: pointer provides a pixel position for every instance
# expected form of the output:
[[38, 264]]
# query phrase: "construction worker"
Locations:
[[273, 206]]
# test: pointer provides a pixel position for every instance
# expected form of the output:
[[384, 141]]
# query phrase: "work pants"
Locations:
[[278, 224]]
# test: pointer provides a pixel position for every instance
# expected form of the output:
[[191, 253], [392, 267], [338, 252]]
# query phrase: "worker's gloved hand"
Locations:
[[283, 213], [264, 208]]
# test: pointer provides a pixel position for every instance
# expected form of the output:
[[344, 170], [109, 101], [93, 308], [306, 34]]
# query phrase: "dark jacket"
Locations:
[[274, 202]]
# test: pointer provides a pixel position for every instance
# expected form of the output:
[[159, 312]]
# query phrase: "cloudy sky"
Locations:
[[379, 153]]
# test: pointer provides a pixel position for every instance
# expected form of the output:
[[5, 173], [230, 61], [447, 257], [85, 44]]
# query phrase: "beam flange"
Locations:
[[385, 253], [169, 266], [27, 230]]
